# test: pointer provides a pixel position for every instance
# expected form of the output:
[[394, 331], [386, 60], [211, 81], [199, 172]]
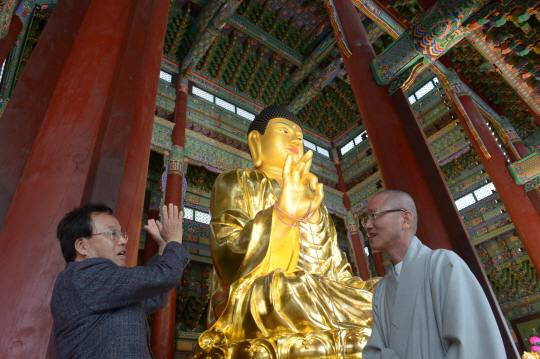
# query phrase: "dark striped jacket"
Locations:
[[99, 309]]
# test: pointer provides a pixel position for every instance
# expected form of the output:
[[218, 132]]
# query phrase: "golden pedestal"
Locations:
[[339, 344]]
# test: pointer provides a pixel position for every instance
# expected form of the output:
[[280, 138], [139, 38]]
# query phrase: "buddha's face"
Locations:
[[281, 138]]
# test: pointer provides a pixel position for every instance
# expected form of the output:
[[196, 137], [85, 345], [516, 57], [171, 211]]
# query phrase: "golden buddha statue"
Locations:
[[281, 287]]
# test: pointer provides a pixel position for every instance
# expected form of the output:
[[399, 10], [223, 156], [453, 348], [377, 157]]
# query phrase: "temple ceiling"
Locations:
[[245, 56]]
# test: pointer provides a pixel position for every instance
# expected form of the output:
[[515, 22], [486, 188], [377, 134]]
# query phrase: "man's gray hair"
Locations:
[[399, 199]]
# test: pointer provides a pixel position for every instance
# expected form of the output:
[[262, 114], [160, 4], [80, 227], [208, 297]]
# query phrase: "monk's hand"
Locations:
[[171, 229], [295, 198]]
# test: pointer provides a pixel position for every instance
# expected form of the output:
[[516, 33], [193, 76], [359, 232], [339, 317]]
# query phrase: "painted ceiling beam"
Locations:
[[352, 104], [207, 14], [508, 44], [502, 124], [203, 41], [510, 77], [214, 18], [393, 28], [316, 86], [424, 40], [179, 32], [200, 3], [379, 16], [324, 48], [26, 13], [314, 59], [267, 40], [374, 31]]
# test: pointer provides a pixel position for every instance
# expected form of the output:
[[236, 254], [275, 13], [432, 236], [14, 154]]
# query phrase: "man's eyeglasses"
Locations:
[[115, 235], [373, 216]]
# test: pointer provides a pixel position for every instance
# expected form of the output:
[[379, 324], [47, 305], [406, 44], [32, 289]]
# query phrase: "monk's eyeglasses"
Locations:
[[373, 216]]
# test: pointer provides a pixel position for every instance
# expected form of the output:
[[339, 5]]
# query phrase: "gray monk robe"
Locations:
[[437, 309]]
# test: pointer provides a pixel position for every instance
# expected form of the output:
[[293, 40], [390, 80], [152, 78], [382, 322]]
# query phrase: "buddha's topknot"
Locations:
[[261, 120]]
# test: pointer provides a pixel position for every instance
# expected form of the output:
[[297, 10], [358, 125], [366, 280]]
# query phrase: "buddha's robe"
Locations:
[[260, 288], [436, 309]]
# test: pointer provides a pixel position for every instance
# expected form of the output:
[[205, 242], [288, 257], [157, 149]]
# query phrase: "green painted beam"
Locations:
[[267, 40]]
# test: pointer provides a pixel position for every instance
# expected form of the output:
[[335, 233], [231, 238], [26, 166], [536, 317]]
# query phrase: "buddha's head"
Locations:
[[274, 134]]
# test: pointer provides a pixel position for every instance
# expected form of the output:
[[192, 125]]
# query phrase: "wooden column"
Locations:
[[404, 157], [137, 152], [356, 242], [150, 246], [163, 341], [341, 186], [523, 151], [38, 82], [521, 211], [395, 157], [379, 265], [68, 130], [518, 146]]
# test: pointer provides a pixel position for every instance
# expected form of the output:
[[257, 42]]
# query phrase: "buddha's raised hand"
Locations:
[[295, 198]]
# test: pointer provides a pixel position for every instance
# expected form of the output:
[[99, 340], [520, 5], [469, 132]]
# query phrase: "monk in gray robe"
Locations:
[[430, 305]]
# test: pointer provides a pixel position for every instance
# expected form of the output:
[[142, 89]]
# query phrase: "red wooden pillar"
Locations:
[[39, 82], [379, 265], [521, 211], [357, 244], [150, 246], [512, 147], [404, 157], [6, 44], [523, 151], [341, 186], [395, 157], [137, 153], [63, 126], [163, 341]]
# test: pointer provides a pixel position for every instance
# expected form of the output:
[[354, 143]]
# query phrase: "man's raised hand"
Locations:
[[171, 229], [153, 228]]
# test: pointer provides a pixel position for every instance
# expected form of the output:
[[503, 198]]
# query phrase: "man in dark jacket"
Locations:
[[98, 305]]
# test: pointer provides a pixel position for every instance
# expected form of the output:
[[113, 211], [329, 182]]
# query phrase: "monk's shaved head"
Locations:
[[398, 199]]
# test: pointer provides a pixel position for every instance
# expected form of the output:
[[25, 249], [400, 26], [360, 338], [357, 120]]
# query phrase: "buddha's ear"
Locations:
[[254, 143]]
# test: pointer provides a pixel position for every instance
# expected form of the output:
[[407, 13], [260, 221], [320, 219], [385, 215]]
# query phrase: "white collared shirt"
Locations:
[[397, 269]]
